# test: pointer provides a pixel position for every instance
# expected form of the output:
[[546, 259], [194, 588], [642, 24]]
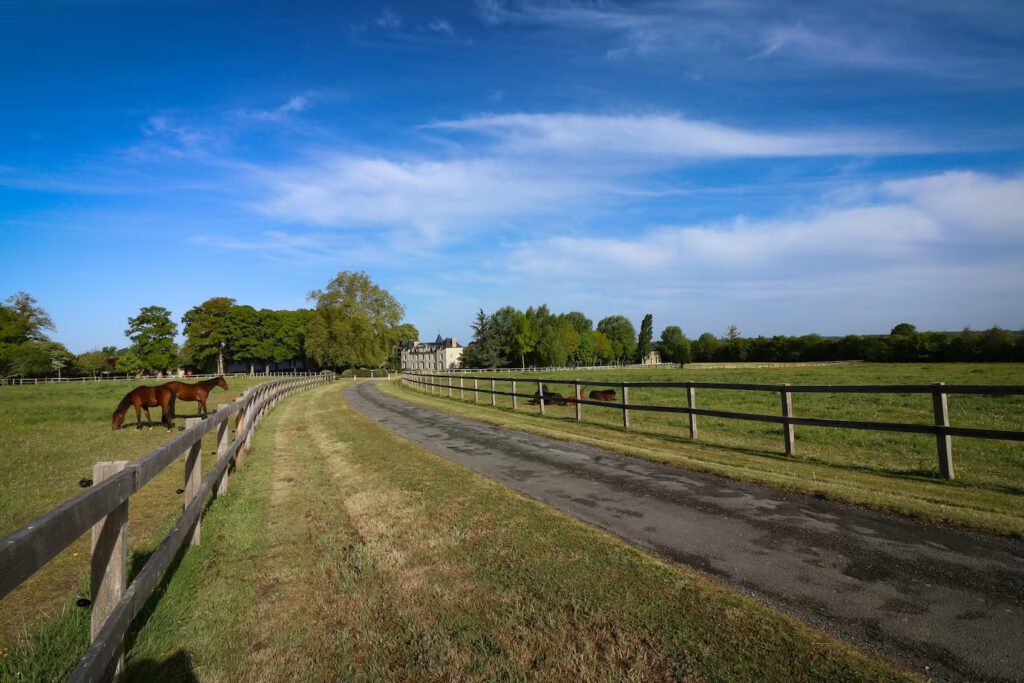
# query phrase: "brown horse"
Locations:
[[144, 398], [196, 392], [602, 395]]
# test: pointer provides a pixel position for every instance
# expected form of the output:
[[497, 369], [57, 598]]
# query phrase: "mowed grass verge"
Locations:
[[52, 436], [344, 552], [894, 472]]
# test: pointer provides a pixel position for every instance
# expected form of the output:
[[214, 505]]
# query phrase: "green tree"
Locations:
[[93, 362], [602, 347], [128, 362], [243, 336], [22, 319], [643, 345], [705, 347], [485, 351], [673, 345], [581, 323], [353, 322], [621, 335], [204, 332], [152, 333], [523, 338]]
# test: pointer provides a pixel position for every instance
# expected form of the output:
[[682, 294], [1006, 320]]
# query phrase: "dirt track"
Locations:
[[947, 603]]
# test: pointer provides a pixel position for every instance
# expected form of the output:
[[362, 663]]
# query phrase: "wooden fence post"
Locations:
[[540, 394], [513, 394], [223, 442], [788, 429], [193, 478], [944, 441], [493, 396], [625, 402], [691, 403], [476, 390], [449, 386], [109, 560], [579, 406], [462, 388]]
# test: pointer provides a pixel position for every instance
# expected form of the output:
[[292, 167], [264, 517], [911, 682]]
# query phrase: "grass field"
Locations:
[[890, 471], [51, 436], [344, 552]]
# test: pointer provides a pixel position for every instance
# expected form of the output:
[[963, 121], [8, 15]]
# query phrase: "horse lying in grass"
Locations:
[[602, 395], [143, 398], [196, 392]]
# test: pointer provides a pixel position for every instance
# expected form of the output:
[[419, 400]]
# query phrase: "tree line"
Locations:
[[539, 338], [353, 323]]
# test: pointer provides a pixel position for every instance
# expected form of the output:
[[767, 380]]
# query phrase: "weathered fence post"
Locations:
[[109, 560], [223, 443], [476, 390], [540, 393], [462, 389], [193, 477], [579, 406], [943, 441], [493, 395], [788, 429], [513, 394], [625, 402], [449, 386], [691, 403]]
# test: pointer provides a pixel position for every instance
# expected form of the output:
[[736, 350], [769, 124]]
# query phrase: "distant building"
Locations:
[[442, 354], [653, 358]]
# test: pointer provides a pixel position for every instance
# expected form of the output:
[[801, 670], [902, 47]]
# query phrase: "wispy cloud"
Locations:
[[389, 19], [439, 200], [922, 42], [668, 136], [438, 25]]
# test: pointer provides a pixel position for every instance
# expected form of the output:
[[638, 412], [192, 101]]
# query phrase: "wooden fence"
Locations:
[[941, 429], [104, 509], [21, 381]]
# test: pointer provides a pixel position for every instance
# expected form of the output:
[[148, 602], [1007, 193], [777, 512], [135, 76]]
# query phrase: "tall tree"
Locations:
[[523, 339], [243, 336], [643, 345], [152, 333], [352, 323], [204, 332], [705, 347], [22, 319], [621, 335]]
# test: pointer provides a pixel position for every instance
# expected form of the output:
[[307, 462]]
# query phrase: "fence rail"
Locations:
[[19, 381], [941, 428], [104, 509]]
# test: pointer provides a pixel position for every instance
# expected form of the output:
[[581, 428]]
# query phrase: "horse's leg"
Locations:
[[202, 404], [149, 420], [169, 412], [138, 416]]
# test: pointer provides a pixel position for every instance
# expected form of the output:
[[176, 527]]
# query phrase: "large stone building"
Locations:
[[442, 354]]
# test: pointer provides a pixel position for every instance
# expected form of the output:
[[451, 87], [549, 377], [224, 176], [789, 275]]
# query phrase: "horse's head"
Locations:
[[221, 383], [118, 419]]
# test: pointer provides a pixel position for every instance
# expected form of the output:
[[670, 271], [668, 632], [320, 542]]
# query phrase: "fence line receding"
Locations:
[[103, 508], [939, 392]]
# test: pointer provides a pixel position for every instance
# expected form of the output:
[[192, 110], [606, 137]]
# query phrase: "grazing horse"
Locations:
[[196, 392], [144, 398], [602, 395]]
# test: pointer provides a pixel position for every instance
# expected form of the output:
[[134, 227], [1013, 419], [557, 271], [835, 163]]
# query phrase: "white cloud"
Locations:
[[971, 202], [439, 199], [665, 136]]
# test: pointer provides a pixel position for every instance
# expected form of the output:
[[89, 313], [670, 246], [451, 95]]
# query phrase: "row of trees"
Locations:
[[354, 323], [538, 337], [509, 337], [904, 344]]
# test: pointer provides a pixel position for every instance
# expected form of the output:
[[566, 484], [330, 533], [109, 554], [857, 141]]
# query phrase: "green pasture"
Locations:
[[884, 468], [52, 434], [343, 552]]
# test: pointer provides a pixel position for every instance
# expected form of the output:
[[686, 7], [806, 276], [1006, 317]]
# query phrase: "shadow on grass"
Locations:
[[177, 667]]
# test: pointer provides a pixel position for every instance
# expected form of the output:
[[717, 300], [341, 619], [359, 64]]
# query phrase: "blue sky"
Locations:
[[787, 167]]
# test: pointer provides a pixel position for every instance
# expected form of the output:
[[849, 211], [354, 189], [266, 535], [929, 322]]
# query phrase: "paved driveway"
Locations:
[[947, 603]]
